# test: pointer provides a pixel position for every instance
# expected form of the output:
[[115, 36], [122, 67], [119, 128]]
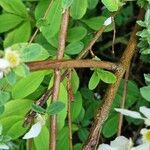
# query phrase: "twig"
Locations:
[[65, 64], [30, 141], [114, 37], [70, 99], [57, 78], [102, 112], [123, 100]]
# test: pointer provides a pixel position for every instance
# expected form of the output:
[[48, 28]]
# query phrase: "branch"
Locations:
[[57, 78], [65, 64], [103, 112]]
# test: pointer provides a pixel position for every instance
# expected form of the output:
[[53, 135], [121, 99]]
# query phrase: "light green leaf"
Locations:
[[30, 52], [11, 78], [42, 141], [14, 7], [17, 107], [76, 34], [20, 34], [74, 81], [92, 3], [145, 92], [94, 80], [54, 19], [106, 76], [111, 5], [22, 70], [95, 23], [74, 48], [27, 85], [4, 97], [55, 108], [78, 9], [9, 21], [66, 3]]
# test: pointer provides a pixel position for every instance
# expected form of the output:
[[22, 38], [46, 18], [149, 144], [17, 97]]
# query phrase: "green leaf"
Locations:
[[38, 109], [4, 97], [11, 78], [20, 34], [95, 23], [27, 85], [78, 9], [2, 108], [74, 48], [83, 134], [111, 5], [92, 3], [76, 106], [106, 76], [17, 107], [63, 140], [110, 127], [94, 80], [54, 19], [42, 141], [74, 81], [76, 34], [66, 3], [78, 146], [12, 126], [22, 70], [30, 52], [14, 7], [9, 21], [145, 92], [55, 108], [40, 8]]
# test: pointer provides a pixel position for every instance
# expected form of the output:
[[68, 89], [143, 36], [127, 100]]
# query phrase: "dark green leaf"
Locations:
[[38, 109]]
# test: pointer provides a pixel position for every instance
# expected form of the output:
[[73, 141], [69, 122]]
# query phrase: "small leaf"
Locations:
[[111, 5], [74, 48], [38, 109], [107, 76], [145, 92], [55, 108], [76, 34], [2, 108], [94, 80], [78, 8]]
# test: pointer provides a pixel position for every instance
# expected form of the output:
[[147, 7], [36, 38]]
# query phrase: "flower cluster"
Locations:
[[10, 60], [121, 142]]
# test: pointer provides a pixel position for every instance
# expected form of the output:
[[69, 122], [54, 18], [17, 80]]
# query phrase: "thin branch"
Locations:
[[57, 78], [65, 64], [70, 99], [102, 112], [123, 100]]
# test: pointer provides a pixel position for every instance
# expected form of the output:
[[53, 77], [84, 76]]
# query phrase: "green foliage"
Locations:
[[21, 88]]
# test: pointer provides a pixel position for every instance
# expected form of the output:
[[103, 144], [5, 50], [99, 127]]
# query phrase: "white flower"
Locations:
[[108, 21], [36, 128], [146, 140], [1, 74], [12, 57], [4, 64], [144, 110], [3, 146], [120, 143]]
